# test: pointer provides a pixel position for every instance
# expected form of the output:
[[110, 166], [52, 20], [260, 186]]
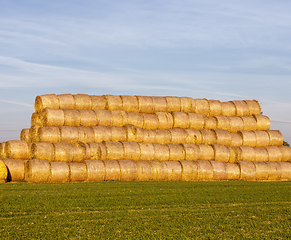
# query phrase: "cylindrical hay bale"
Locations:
[[191, 151], [131, 151], [249, 138], [145, 104], [17, 149], [228, 109], [275, 171], [64, 152], [24, 135], [113, 102], [208, 137], [247, 153], [37, 170], [219, 170], [261, 171], [149, 136], [189, 170], [3, 172], [206, 152], [118, 134], [88, 118], [165, 120], [174, 170], [133, 133], [232, 154], [98, 102], [78, 172], [119, 118], [36, 118], [187, 104], [177, 152], [127, 170], [42, 151], [159, 170], [95, 170], [236, 140], [215, 108], [201, 106], [261, 154], [52, 117], [205, 170], [66, 101], [181, 120], [97, 150], [276, 137], [160, 104], [150, 121], [247, 170], [236, 124], [114, 150], [275, 154], [147, 151], [250, 123], [162, 152], [81, 151], [86, 134], [263, 122], [241, 108], [223, 122], [253, 107], [263, 138], [104, 117], [196, 121], [232, 171], [48, 134], [46, 101], [210, 123], [72, 117], [178, 135], [69, 134], [163, 136], [60, 172], [221, 153], [135, 119], [82, 101], [286, 153], [33, 136], [173, 104], [15, 168], [144, 171], [101, 133], [223, 137], [112, 170], [285, 170], [129, 103], [194, 136]]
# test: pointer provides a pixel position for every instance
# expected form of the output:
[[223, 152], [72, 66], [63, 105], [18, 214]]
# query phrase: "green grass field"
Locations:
[[146, 210]]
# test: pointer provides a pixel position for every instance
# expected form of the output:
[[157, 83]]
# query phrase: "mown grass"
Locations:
[[146, 210]]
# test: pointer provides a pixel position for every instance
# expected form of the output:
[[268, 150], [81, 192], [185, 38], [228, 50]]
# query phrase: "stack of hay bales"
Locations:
[[98, 138]]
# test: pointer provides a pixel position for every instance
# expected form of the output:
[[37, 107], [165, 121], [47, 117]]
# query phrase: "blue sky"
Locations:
[[225, 50]]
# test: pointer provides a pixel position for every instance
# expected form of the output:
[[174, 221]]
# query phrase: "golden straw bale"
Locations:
[[147, 151], [191, 151], [261, 154], [17, 149], [208, 136], [118, 134], [223, 122], [236, 140], [228, 109], [205, 170], [104, 117], [173, 104], [159, 170], [178, 135], [189, 170], [249, 138], [81, 151], [219, 170], [177, 152], [127, 170], [174, 170], [263, 138], [210, 123], [113, 102], [206, 152], [160, 104], [37, 170], [42, 151], [86, 134], [48, 134], [95, 170], [114, 150], [66, 101], [286, 153], [253, 107], [196, 121], [181, 120], [88, 118], [145, 104], [236, 124], [2, 150], [60, 172], [98, 102], [97, 150], [72, 117], [33, 136], [133, 133], [119, 118], [112, 170], [3, 172], [163, 136], [263, 122], [129, 103], [82, 101], [162, 152], [232, 171], [276, 137], [275, 171], [52, 117], [165, 120], [247, 170], [232, 154], [101, 133], [221, 153], [246, 153], [250, 123], [135, 119], [149, 136], [46, 101], [69, 134], [285, 170], [275, 154], [194, 136], [131, 151], [78, 172], [187, 104], [223, 137], [150, 121], [64, 152], [15, 169], [24, 134], [36, 118], [261, 171], [241, 108], [215, 108], [201, 106], [144, 170]]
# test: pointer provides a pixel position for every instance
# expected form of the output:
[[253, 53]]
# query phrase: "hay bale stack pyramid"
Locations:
[[81, 137]]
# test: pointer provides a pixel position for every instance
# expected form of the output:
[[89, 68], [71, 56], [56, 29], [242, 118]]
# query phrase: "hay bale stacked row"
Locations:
[[96, 138]]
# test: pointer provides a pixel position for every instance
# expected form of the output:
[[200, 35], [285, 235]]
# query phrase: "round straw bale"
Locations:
[[78, 172], [160, 104], [219, 170], [165, 120], [48, 134], [191, 151], [24, 135], [210, 123], [2, 150], [236, 124], [133, 133], [201, 106], [205, 170], [72, 117], [127, 170], [246, 153], [52, 117], [215, 107], [149, 136], [263, 138], [37, 170], [82, 101], [112, 170], [178, 135], [86, 134], [208, 136], [275, 154], [275, 171], [249, 138], [104, 117], [285, 170], [247, 170], [135, 119], [189, 170], [261, 154], [232, 171], [101, 133], [236, 140], [206, 152], [261, 171], [181, 120], [250, 123], [263, 122], [163, 136], [60, 172], [88, 118], [276, 137], [131, 150], [187, 104], [147, 151], [286, 153], [162, 152], [253, 107], [17, 149], [66, 101], [64, 152], [223, 122], [241, 108], [194, 136], [145, 104], [144, 171], [150, 121], [81, 151], [119, 118], [95, 170], [118, 134], [33, 136], [232, 154], [228, 109], [46, 101], [97, 150], [173, 104], [174, 170], [129, 103], [177, 152], [223, 137], [98, 102], [114, 150], [113, 102], [36, 118], [69, 134], [15, 169], [42, 151], [221, 153], [3, 172], [159, 170]]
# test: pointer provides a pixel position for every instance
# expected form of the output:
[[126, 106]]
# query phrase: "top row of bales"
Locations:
[[147, 104]]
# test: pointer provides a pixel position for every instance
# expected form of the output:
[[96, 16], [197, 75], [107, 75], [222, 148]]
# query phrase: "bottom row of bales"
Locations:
[[129, 170]]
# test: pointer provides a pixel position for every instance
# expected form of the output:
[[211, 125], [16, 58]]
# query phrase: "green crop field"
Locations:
[[146, 210]]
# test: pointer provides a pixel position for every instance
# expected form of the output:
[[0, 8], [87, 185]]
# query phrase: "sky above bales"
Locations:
[[224, 50]]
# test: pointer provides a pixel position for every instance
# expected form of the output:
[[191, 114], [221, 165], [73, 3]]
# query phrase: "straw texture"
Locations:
[[192, 151], [144, 171], [15, 169], [131, 151], [215, 107], [196, 121], [113, 102], [181, 120], [145, 104], [205, 170], [189, 170], [66, 101], [174, 170], [95, 170], [88, 118], [219, 170], [78, 172], [42, 151], [165, 120], [127, 170], [98, 102], [201, 106], [253, 107], [129, 103], [159, 170], [3, 172], [232, 171], [103, 117], [101, 133], [82, 101], [150, 121], [263, 122], [46, 101], [17, 149], [60, 172], [285, 170], [162, 152], [160, 104], [173, 104], [112, 170], [247, 170], [37, 170], [24, 135], [48, 134], [261, 171], [228, 109]]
